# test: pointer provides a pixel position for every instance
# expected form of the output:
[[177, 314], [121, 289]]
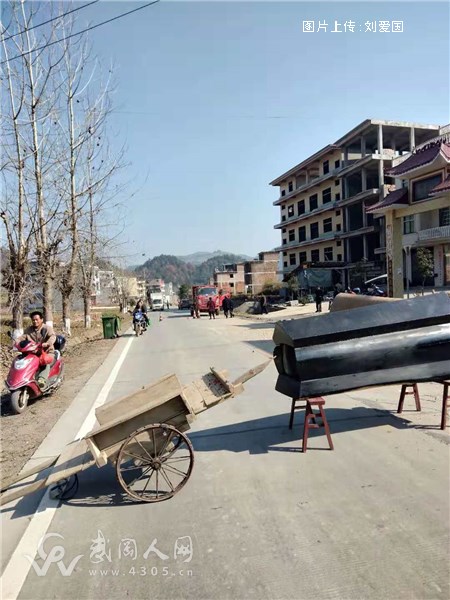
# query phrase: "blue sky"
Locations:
[[216, 99]]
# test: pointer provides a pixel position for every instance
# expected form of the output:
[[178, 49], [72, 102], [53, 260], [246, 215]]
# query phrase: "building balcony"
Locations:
[[321, 209], [346, 169], [333, 174], [324, 237], [356, 232], [435, 233], [359, 196]]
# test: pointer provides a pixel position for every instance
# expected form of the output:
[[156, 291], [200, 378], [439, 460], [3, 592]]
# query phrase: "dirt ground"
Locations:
[[20, 435]]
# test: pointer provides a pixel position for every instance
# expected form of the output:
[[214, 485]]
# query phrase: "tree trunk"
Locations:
[[87, 311], [66, 313], [17, 317], [47, 294]]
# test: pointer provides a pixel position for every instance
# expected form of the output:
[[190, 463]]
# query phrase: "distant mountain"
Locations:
[[172, 268], [199, 257]]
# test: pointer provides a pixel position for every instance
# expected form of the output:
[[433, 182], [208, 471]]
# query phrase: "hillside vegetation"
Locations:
[[171, 268]]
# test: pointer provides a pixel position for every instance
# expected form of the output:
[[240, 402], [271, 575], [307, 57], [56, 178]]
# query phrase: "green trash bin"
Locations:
[[109, 326]]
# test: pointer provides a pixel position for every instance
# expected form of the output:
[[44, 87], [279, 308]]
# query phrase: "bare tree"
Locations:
[[14, 269]]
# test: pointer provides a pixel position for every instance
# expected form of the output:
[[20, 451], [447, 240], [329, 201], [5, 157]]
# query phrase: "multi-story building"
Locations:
[[322, 200], [417, 213], [248, 277], [230, 278], [261, 271]]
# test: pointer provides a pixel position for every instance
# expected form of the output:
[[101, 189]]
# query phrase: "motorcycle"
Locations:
[[24, 372], [139, 323]]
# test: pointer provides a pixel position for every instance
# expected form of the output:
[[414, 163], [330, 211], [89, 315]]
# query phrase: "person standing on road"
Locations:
[[263, 304], [230, 307], [211, 306], [319, 299], [195, 308], [226, 306]]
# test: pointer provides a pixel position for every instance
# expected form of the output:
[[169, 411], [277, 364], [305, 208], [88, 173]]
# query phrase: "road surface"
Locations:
[[257, 519]]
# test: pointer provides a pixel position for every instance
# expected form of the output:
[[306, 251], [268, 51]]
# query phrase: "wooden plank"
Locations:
[[113, 436], [222, 376], [23, 490], [100, 458], [194, 397], [250, 373], [25, 474], [75, 458], [141, 416], [149, 396]]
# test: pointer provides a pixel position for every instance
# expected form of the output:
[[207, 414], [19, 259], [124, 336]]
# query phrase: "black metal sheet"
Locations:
[[364, 321]]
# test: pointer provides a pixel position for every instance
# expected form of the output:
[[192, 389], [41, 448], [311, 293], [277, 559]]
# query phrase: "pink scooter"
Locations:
[[24, 372]]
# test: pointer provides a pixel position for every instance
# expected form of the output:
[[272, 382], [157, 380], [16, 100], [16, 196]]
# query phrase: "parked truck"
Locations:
[[157, 300], [204, 292]]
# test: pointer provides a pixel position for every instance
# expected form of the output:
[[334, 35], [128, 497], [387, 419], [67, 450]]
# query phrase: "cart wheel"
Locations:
[[154, 463]]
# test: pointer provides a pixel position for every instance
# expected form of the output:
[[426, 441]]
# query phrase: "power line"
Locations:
[[79, 32], [50, 20]]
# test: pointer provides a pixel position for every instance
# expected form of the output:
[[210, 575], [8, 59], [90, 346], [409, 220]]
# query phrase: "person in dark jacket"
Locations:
[[230, 307], [211, 306], [226, 306], [319, 299], [263, 304]]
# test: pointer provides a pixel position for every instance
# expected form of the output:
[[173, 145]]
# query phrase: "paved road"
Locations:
[[258, 519]]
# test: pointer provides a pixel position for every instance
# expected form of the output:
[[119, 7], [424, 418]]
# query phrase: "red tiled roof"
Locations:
[[421, 157], [399, 196], [444, 186]]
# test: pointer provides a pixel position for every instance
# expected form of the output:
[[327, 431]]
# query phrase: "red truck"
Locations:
[[204, 293]]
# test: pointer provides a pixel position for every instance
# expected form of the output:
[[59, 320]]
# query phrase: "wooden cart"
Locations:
[[143, 434]]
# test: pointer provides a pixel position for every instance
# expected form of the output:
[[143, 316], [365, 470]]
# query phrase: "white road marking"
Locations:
[[17, 569]]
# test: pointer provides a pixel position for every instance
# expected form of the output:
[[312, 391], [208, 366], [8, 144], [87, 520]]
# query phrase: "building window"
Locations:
[[291, 186], [337, 196], [326, 167], [302, 234], [327, 225], [291, 235], [339, 243], [231, 284], [291, 260], [283, 230], [290, 211], [338, 227], [302, 258], [328, 253], [338, 213], [444, 217], [284, 253], [284, 242], [231, 275], [314, 228], [339, 257], [300, 207], [408, 224], [315, 255], [423, 187], [285, 264], [326, 196], [336, 182], [337, 164], [313, 202], [283, 192]]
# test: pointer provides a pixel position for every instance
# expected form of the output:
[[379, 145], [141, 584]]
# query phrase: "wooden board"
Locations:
[[150, 396], [74, 459]]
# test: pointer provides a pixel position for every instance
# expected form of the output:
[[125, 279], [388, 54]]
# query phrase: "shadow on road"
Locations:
[[261, 436]]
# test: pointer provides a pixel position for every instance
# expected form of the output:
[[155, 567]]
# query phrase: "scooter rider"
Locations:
[[140, 306], [40, 333]]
